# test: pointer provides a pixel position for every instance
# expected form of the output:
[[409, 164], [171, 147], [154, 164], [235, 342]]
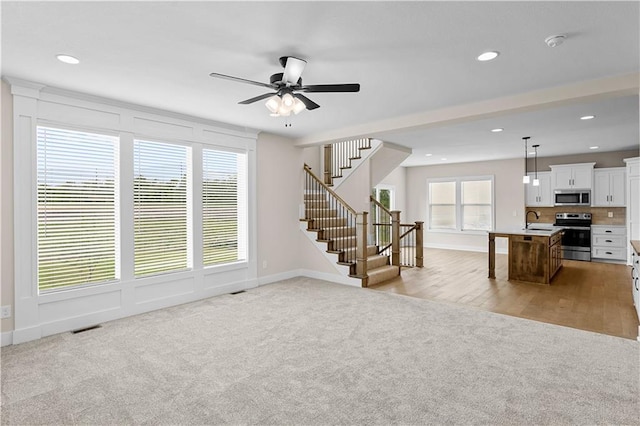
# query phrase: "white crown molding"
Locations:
[[36, 90]]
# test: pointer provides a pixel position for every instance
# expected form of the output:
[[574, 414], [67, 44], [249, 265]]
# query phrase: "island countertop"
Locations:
[[533, 230]]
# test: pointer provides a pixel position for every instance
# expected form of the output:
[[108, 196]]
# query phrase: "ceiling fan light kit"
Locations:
[[285, 105], [285, 100]]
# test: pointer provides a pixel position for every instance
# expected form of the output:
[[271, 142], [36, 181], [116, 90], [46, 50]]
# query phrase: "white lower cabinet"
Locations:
[[609, 242]]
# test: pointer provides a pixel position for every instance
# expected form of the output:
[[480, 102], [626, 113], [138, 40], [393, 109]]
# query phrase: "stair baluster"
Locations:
[[339, 155]]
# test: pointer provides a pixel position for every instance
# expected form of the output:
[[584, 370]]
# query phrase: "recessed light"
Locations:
[[428, 155], [594, 147], [587, 117], [443, 159], [487, 56], [532, 153], [555, 40], [497, 130], [68, 59]]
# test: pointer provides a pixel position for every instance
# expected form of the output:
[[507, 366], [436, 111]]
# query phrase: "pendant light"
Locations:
[[525, 178], [536, 182]]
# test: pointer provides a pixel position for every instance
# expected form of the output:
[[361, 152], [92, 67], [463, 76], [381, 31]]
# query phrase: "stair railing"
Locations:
[[332, 222], [403, 242], [338, 157], [381, 219]]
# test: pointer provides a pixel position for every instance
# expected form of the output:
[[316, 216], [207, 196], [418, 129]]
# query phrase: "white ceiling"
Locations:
[[409, 57]]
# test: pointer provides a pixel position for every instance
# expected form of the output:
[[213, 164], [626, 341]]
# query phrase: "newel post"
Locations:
[[361, 247], [419, 244], [395, 237], [328, 161]]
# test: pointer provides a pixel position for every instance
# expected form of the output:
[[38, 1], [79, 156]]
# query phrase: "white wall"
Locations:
[[311, 157], [509, 200], [280, 178], [397, 179], [356, 189]]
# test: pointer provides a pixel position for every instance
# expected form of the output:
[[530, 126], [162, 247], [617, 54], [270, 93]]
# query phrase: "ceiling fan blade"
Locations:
[[319, 88], [257, 98], [240, 80], [306, 101], [293, 69]]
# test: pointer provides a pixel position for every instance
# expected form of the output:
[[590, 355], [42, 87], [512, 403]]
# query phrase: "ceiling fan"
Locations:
[[285, 99]]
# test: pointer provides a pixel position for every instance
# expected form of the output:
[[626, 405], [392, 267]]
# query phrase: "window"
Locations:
[[224, 207], [442, 205], [384, 194], [76, 218], [160, 207], [476, 205], [461, 204], [78, 202]]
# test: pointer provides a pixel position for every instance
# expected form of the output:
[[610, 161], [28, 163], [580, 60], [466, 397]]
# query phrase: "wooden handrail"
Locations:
[[328, 189], [377, 203]]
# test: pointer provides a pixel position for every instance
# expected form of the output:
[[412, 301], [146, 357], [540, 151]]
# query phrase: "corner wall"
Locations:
[[284, 251], [279, 192]]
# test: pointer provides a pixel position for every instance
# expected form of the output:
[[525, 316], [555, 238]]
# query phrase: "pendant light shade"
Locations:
[[525, 178], [536, 182]]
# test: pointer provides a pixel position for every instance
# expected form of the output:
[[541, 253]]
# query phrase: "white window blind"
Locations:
[[76, 199], [160, 207], [476, 205], [224, 203], [461, 204], [442, 205]]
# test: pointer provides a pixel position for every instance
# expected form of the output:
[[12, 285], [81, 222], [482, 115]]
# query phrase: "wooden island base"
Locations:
[[532, 258]]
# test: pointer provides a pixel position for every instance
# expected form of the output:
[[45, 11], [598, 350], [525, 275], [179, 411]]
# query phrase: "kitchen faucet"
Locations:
[[527, 223]]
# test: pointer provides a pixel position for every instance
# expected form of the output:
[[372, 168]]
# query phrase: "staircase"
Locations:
[[349, 170], [340, 237]]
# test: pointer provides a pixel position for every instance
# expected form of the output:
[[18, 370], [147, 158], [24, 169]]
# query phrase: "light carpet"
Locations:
[[304, 351]]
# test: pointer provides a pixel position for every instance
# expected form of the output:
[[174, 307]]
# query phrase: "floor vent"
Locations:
[[82, 330], [237, 292]]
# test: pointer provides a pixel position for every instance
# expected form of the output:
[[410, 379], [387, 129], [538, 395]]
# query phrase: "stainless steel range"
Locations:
[[576, 238]]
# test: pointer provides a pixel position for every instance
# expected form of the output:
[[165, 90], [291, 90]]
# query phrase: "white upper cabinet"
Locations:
[[609, 187], [541, 195], [572, 176]]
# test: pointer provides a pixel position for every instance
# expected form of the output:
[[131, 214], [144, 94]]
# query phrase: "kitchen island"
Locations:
[[535, 255]]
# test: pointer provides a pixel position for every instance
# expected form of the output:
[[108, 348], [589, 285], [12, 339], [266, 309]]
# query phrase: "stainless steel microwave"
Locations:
[[572, 197]]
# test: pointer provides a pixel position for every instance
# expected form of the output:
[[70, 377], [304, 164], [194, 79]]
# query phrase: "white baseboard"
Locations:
[[7, 338], [268, 279], [334, 278]]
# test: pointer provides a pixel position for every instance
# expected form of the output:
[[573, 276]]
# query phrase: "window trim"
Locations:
[[458, 207], [37, 315]]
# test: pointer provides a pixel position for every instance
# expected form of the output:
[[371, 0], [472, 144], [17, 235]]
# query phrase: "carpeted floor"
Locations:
[[304, 351]]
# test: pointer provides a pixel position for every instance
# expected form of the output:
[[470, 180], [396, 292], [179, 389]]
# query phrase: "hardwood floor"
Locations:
[[585, 295]]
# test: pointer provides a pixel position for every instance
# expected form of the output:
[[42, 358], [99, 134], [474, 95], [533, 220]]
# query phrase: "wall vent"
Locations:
[[82, 330]]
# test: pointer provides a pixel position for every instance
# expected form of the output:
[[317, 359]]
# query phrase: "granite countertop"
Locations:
[[636, 245]]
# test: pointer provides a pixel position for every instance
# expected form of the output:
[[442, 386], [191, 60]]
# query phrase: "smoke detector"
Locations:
[[555, 40]]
